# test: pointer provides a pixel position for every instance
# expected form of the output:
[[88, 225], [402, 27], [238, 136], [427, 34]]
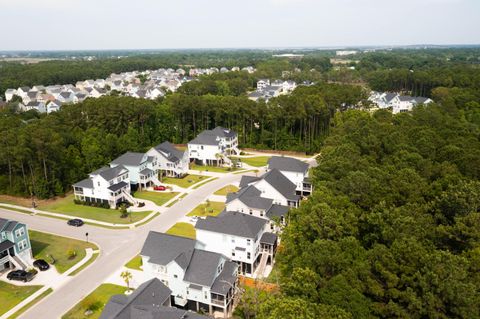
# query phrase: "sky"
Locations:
[[159, 24]]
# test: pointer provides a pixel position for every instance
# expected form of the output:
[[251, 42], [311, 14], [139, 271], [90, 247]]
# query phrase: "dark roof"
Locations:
[[11, 225], [65, 94], [3, 222], [209, 137], [281, 184], [86, 183], [169, 151], [246, 180], [268, 238], [287, 164], [154, 312], [164, 248], [117, 186], [4, 245], [233, 223], [225, 279], [277, 211], [390, 96], [223, 132], [202, 269], [109, 173], [145, 171], [150, 293], [129, 159], [250, 196]]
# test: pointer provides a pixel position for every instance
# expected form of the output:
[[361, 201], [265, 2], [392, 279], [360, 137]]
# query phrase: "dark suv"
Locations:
[[77, 222], [20, 275]]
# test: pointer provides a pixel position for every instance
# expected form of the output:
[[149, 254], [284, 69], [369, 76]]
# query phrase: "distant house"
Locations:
[[213, 146], [169, 160], [293, 169], [398, 103], [199, 280], [15, 247], [108, 185], [66, 97], [30, 97], [53, 106], [9, 94], [140, 167], [151, 300], [241, 237], [33, 105]]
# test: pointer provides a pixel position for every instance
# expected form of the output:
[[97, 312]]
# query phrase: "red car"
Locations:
[[159, 188]]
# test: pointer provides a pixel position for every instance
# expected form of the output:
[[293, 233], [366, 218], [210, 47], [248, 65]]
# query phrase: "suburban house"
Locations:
[[212, 147], [398, 103], [107, 185], [53, 106], [140, 167], [199, 280], [150, 300], [15, 247], [293, 169], [241, 238], [169, 160], [33, 105]]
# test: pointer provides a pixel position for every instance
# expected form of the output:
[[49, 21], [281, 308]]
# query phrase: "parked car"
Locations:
[[20, 275], [159, 188], [141, 204], [77, 222], [41, 264]]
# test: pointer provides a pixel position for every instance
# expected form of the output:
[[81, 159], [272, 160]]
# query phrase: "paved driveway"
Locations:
[[117, 247]]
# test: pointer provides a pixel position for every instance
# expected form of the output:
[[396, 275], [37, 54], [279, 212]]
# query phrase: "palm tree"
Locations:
[[127, 276]]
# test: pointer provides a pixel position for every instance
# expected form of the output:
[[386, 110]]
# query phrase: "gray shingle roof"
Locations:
[[282, 184], [250, 196], [3, 222], [268, 238], [163, 248], [129, 159], [117, 186], [209, 137], [109, 173], [248, 180], [152, 312], [4, 245], [233, 223], [86, 183], [277, 211], [287, 164], [170, 152], [202, 269], [225, 279], [146, 171]]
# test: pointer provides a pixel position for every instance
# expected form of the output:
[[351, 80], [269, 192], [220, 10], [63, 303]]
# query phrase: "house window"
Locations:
[[248, 242], [251, 212], [205, 294], [19, 232], [201, 147], [248, 255], [4, 235], [98, 184], [261, 213], [233, 253], [22, 245], [175, 276]]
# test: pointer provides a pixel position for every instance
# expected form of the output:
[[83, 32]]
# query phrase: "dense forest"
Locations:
[[393, 227]]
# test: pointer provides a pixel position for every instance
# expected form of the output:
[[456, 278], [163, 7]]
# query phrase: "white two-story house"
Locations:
[[15, 247], [140, 167], [238, 236], [108, 186], [199, 280], [169, 160], [212, 147], [293, 169]]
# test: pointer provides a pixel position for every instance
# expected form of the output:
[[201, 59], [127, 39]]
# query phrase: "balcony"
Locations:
[[218, 302]]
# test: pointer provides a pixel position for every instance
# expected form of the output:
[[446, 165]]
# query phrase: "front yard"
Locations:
[[186, 181], [258, 161], [225, 190], [215, 169], [94, 302], [65, 251], [183, 229], [66, 206], [11, 295], [159, 198], [135, 263], [207, 209]]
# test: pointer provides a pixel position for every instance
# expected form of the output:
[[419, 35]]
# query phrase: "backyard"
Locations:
[[66, 206], [186, 181], [65, 251], [183, 229], [158, 197], [207, 209], [258, 161], [94, 302], [11, 295]]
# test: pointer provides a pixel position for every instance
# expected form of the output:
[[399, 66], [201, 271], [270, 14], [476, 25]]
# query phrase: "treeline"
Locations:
[[393, 227], [45, 154]]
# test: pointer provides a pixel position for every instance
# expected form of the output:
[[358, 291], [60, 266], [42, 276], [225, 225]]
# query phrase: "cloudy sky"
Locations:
[[158, 24]]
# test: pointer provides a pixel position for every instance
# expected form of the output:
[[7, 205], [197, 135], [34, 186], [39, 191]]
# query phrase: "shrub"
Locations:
[[71, 253]]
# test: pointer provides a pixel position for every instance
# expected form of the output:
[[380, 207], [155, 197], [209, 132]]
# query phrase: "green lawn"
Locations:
[[95, 301], [158, 198], [258, 161], [183, 229], [185, 182], [202, 210], [85, 265], [227, 189], [66, 206], [11, 295], [135, 263], [215, 169], [45, 246], [31, 303]]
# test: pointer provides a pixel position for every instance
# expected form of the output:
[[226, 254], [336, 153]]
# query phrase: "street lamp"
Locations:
[[86, 235]]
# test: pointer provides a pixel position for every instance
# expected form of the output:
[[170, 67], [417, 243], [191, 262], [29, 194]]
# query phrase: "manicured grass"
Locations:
[[66, 206], [215, 169], [31, 303], [45, 246], [95, 301], [258, 161], [227, 189], [202, 210], [135, 263], [159, 198], [85, 265], [11, 295], [186, 181], [201, 184], [183, 229], [175, 201]]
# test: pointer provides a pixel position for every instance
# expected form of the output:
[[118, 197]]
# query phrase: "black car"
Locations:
[[20, 275], [41, 264], [75, 222]]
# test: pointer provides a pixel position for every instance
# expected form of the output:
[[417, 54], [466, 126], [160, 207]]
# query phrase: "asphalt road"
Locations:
[[117, 247]]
